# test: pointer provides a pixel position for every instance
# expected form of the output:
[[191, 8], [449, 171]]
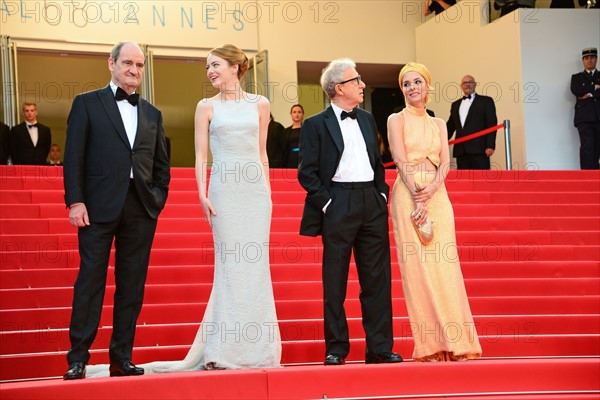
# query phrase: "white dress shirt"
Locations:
[[130, 118], [463, 110], [354, 164], [33, 132]]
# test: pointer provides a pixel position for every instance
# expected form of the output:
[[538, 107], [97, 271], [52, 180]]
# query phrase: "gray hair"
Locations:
[[334, 73], [116, 51]]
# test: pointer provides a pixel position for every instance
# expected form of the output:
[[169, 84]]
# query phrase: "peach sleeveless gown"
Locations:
[[440, 317]]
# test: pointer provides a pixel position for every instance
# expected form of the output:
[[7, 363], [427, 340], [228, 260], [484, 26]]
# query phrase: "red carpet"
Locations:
[[529, 243]]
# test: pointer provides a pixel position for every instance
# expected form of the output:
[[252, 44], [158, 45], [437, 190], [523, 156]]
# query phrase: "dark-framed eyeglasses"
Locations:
[[356, 78]]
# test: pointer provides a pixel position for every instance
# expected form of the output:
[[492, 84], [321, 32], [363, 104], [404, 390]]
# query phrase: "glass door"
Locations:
[[257, 77]]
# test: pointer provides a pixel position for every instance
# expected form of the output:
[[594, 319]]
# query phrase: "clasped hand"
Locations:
[[421, 198]]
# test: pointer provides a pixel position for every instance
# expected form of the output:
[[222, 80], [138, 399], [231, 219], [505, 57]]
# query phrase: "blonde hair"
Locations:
[[234, 56], [421, 70], [27, 104]]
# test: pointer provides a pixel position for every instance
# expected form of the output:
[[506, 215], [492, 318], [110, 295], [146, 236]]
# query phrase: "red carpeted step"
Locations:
[[297, 197], [25, 225], [292, 224], [20, 211], [198, 292], [25, 278], [52, 364], [504, 379], [182, 312], [53, 256], [37, 242], [54, 174], [520, 327]]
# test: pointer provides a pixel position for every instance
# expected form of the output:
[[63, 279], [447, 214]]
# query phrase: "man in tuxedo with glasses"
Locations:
[[346, 203]]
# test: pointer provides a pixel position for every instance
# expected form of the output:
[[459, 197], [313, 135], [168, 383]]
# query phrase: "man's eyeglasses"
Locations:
[[357, 79]]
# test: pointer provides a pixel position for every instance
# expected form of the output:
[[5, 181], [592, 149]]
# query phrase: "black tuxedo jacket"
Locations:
[[98, 157], [4, 146], [482, 115], [586, 110], [22, 150], [321, 147]]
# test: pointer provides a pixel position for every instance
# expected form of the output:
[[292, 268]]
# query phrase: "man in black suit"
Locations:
[[470, 114], [29, 141], [275, 143], [346, 203], [116, 177], [4, 149], [585, 86]]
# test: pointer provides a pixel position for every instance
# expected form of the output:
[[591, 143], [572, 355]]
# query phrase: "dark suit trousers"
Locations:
[[132, 232], [357, 219], [589, 151], [473, 161]]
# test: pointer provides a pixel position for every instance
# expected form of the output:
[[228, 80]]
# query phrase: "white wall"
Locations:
[[464, 43], [524, 61], [551, 54]]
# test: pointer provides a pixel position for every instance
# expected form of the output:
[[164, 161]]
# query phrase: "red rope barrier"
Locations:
[[476, 134], [463, 139]]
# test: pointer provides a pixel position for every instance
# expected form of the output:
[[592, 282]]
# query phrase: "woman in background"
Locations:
[[292, 137]]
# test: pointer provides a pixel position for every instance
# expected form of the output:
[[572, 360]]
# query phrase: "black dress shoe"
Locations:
[[125, 368], [76, 371], [334, 359], [383, 358]]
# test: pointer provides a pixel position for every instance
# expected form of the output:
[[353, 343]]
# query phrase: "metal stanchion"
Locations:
[[507, 144]]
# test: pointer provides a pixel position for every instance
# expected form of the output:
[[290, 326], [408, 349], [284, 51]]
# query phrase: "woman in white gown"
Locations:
[[239, 328]]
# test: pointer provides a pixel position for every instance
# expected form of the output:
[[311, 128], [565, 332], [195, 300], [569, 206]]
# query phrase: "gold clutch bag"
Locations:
[[424, 230]]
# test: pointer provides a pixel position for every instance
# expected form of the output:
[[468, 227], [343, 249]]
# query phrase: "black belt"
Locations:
[[352, 185]]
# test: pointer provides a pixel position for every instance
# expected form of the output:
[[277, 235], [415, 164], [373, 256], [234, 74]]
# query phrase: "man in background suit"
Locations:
[[29, 141], [346, 203], [275, 143], [116, 177], [54, 155], [4, 151], [585, 86], [472, 113]]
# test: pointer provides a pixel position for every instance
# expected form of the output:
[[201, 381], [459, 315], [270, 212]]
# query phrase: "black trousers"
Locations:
[[589, 151], [133, 233], [357, 220], [473, 161]]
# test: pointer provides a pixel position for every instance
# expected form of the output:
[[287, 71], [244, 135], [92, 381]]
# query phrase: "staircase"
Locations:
[[529, 243]]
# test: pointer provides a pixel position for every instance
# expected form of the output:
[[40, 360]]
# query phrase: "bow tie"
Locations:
[[467, 97], [351, 114], [131, 98], [32, 125]]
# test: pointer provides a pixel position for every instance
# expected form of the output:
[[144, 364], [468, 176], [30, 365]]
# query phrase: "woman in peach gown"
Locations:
[[432, 281]]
